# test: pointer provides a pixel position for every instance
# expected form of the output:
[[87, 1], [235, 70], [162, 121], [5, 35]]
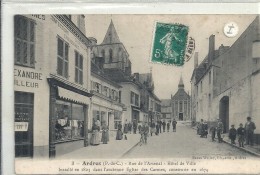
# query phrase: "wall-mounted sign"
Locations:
[[21, 126], [28, 78]]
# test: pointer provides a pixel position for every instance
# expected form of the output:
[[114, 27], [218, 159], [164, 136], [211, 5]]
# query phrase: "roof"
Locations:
[[111, 36], [181, 95], [166, 102]]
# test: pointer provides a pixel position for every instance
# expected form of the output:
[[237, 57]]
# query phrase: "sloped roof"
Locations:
[[166, 102], [111, 36], [181, 95]]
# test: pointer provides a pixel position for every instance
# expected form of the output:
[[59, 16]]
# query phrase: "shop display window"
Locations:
[[117, 119], [69, 124]]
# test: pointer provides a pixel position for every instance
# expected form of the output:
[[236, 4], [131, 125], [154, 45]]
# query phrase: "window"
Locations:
[[24, 41], [181, 107], [103, 53], [119, 96], [117, 119], [113, 94], [132, 98], [105, 91], [136, 100], [201, 86], [63, 60], [78, 68], [110, 56], [209, 77], [69, 122], [97, 87]]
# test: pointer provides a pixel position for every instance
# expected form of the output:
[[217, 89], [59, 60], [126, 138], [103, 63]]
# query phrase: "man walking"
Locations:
[[219, 130], [163, 124], [174, 123], [249, 127]]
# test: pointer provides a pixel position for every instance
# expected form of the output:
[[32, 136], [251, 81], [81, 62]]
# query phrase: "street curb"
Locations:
[[128, 151], [243, 149]]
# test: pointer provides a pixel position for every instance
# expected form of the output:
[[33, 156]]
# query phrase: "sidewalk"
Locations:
[[114, 149], [254, 150]]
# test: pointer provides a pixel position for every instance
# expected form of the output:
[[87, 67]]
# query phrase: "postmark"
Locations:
[[231, 29], [169, 43]]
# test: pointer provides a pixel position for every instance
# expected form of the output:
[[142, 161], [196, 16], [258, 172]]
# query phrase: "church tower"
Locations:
[[116, 57]]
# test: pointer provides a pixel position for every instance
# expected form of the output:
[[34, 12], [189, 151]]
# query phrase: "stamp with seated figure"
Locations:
[[169, 43]]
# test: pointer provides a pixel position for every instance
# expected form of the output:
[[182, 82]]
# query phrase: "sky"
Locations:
[[136, 33]]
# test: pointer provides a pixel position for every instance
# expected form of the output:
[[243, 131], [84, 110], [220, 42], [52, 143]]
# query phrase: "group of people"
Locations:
[[95, 137], [245, 133]]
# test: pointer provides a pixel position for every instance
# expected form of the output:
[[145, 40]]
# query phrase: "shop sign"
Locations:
[[21, 126], [29, 78]]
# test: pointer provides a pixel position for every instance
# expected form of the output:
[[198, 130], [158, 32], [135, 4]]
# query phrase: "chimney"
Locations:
[[81, 24], [196, 57], [211, 48]]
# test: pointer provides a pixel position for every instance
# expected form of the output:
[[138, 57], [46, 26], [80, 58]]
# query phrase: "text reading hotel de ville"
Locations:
[[78, 96]]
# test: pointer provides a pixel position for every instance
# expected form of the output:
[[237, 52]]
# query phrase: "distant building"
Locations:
[[166, 109], [225, 85], [180, 103]]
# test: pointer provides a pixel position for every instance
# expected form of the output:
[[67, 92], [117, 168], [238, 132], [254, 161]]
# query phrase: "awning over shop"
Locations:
[[72, 96]]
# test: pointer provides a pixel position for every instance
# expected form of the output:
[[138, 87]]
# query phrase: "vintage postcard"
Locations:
[[136, 93]]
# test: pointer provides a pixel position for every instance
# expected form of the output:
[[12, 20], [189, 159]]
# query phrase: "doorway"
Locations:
[[224, 112], [24, 124], [181, 116]]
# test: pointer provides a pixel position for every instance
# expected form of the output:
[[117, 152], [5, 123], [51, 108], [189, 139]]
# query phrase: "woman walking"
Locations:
[[105, 134]]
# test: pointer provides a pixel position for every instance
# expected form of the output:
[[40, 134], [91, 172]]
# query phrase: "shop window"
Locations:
[[78, 68], [24, 41], [62, 58], [69, 123], [117, 119]]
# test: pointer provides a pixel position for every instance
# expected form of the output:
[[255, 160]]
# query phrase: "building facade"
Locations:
[[232, 75], [52, 85], [166, 109], [180, 103]]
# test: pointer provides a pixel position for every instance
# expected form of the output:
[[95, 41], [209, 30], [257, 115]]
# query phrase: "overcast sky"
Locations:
[[136, 33]]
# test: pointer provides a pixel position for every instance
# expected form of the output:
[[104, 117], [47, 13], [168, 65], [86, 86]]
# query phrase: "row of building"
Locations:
[[225, 85], [65, 81]]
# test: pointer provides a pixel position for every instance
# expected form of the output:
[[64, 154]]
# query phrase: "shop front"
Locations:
[[68, 117]]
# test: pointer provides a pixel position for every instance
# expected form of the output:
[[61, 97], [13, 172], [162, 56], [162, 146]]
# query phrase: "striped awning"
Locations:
[[71, 96]]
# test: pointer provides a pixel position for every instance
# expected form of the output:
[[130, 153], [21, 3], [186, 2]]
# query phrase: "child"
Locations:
[[241, 135], [232, 134]]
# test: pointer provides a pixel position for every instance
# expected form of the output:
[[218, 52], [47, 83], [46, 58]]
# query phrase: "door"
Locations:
[[23, 124], [180, 116]]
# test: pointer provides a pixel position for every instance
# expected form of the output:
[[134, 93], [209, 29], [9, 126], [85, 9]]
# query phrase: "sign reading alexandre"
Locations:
[[31, 75]]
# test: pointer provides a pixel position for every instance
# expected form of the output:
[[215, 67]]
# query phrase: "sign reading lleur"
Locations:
[[26, 78]]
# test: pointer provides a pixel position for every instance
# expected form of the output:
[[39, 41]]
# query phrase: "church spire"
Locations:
[[181, 85], [111, 36]]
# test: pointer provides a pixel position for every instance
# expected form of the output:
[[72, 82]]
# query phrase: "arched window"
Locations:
[[103, 53], [110, 56]]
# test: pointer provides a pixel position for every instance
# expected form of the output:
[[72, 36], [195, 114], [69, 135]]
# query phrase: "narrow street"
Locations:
[[183, 143]]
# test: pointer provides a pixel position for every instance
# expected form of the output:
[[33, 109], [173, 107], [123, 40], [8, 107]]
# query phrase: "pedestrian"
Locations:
[[168, 126], [130, 127], [105, 134], [219, 130], [153, 129], [134, 126], [146, 132], [201, 127], [126, 127], [160, 126], [232, 134], [213, 132], [204, 129], [241, 135], [139, 128], [163, 125], [249, 127], [95, 138], [119, 134], [157, 128], [174, 123]]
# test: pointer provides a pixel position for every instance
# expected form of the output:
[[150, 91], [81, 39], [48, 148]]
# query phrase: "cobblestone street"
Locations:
[[184, 143]]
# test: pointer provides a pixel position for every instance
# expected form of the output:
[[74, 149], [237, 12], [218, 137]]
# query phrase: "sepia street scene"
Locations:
[[87, 88]]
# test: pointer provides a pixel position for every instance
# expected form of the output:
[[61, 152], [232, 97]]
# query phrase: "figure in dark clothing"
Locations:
[[249, 127], [241, 135], [160, 126], [157, 128], [139, 128], [130, 127], [232, 134], [153, 129], [168, 126], [134, 127], [119, 134], [213, 133], [219, 130], [174, 123], [163, 125]]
